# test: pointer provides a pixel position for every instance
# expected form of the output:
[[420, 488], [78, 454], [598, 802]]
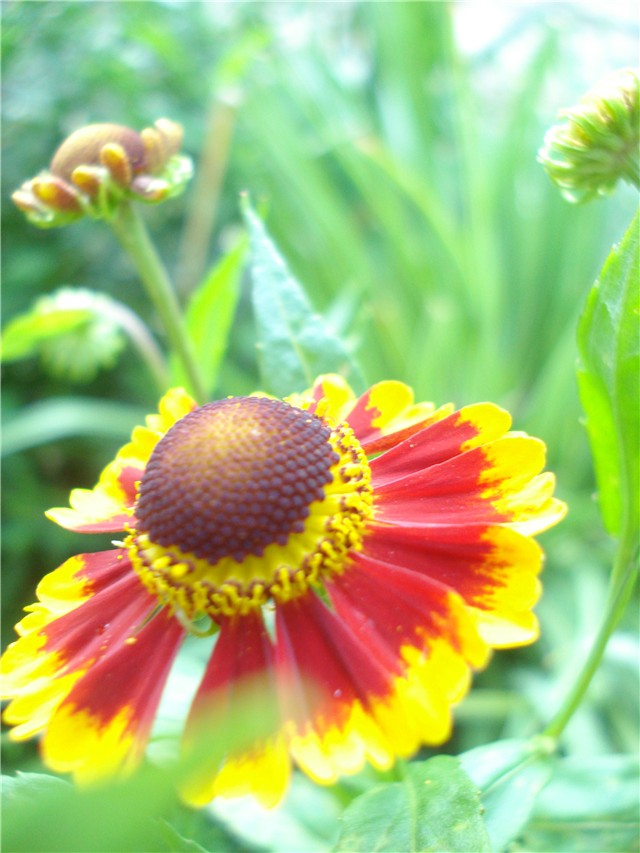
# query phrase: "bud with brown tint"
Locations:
[[99, 165]]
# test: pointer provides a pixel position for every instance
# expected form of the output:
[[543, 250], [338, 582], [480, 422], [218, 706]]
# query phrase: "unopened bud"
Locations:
[[99, 165], [597, 145]]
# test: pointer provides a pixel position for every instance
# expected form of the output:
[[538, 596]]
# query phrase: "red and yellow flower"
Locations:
[[359, 556]]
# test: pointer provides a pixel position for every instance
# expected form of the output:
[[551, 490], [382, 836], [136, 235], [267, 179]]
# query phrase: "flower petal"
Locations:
[[347, 697], [239, 672], [108, 507], [59, 644], [494, 569], [453, 435], [494, 483], [329, 397], [386, 414], [102, 726], [422, 625]]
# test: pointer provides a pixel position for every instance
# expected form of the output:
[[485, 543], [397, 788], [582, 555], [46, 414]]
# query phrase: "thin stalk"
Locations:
[[134, 239], [141, 338], [622, 583]]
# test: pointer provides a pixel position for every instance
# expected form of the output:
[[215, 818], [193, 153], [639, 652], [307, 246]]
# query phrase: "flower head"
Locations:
[[99, 165], [391, 542], [597, 145]]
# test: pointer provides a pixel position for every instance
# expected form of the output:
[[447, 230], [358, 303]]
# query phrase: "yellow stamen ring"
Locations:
[[316, 546]]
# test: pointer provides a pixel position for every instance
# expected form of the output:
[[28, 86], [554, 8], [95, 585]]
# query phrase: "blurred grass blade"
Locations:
[[209, 316], [294, 345], [64, 417], [435, 807], [608, 379]]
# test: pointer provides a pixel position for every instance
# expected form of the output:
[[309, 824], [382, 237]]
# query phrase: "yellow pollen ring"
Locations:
[[334, 527]]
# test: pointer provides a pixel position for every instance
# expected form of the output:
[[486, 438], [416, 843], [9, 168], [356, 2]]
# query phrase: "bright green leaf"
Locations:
[[210, 314], [511, 774], [435, 808], [609, 382], [23, 336], [294, 345]]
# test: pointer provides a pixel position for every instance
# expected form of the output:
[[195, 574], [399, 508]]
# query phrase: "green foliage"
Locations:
[[294, 345], [397, 159], [74, 330], [591, 804], [510, 774], [209, 316], [435, 807], [608, 375]]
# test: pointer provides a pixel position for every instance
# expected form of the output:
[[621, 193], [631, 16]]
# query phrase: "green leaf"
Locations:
[[511, 774], [435, 808], [591, 804], [294, 345], [23, 336], [608, 380], [210, 314], [44, 813]]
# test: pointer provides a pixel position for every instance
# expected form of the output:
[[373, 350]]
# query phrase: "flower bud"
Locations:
[[597, 145], [99, 165]]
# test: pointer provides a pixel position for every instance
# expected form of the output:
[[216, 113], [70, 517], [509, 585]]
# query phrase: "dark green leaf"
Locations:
[[590, 804], [608, 378], [435, 808], [511, 774], [210, 314], [294, 345]]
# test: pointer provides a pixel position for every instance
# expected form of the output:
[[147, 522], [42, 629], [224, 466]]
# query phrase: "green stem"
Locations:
[[622, 583], [134, 239], [142, 339]]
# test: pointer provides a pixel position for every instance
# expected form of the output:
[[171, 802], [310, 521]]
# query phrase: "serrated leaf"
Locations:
[[23, 336], [294, 344], [609, 382], [436, 807], [510, 774], [209, 316]]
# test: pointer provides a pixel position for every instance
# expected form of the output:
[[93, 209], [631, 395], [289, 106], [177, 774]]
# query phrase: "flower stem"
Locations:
[[622, 582], [134, 239]]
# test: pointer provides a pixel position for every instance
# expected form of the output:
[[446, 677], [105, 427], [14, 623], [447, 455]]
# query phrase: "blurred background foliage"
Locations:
[[393, 147]]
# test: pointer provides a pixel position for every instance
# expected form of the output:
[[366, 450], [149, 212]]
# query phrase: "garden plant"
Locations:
[[321, 341]]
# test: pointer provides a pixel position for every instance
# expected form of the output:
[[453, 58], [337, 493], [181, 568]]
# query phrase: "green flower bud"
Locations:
[[101, 164], [598, 143]]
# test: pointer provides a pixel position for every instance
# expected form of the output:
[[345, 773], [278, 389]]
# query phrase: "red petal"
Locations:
[[440, 441], [103, 724], [391, 608], [233, 752]]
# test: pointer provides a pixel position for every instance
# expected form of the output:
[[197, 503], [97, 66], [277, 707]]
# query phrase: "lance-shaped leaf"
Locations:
[[609, 382], [209, 316], [294, 344]]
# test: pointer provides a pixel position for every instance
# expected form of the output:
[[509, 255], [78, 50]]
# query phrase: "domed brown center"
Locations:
[[233, 477]]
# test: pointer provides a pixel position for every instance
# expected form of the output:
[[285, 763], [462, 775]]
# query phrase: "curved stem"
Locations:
[[141, 338], [622, 582], [134, 239]]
